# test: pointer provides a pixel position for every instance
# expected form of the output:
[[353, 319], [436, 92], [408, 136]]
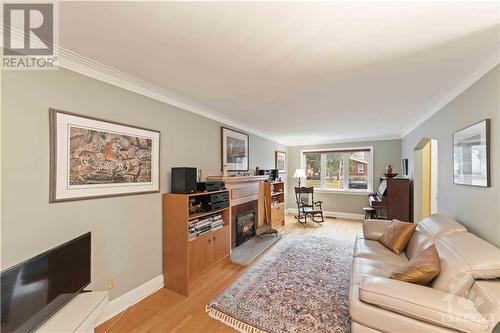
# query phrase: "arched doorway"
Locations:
[[425, 179]]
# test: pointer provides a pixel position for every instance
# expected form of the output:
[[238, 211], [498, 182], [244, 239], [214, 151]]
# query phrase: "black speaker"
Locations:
[[183, 180]]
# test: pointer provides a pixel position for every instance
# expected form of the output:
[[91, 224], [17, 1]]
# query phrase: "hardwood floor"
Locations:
[[166, 311]]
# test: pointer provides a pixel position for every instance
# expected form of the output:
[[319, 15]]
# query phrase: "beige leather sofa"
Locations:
[[464, 297]]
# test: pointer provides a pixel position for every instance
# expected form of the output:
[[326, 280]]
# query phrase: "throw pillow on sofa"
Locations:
[[422, 269], [397, 235]]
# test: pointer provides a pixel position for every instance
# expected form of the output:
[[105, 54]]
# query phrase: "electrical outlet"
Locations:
[[111, 282]]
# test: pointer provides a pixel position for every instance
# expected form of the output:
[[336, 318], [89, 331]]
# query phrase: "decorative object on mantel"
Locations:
[[235, 150], [92, 158], [296, 303], [388, 172], [280, 160], [299, 173], [471, 155], [388, 169]]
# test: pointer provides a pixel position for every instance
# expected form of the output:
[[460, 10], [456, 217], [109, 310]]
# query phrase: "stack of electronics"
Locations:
[[210, 186], [213, 202], [184, 182], [200, 226]]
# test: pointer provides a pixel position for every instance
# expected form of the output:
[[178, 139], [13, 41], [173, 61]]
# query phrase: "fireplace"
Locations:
[[244, 219], [245, 226]]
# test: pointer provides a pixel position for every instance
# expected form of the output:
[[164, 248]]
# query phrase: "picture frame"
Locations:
[[280, 161], [471, 155], [404, 166], [95, 158], [234, 150]]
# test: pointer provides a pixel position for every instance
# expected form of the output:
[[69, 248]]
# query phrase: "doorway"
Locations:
[[425, 179]]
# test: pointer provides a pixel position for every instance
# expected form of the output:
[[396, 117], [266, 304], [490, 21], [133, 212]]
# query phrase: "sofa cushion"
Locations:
[[486, 297], [438, 225], [362, 267], [424, 303], [464, 258], [421, 269], [383, 320], [397, 235], [418, 242], [374, 229], [430, 229], [372, 249]]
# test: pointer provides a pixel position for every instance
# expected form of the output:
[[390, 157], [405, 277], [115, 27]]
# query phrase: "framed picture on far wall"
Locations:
[[471, 155], [235, 150], [280, 158], [92, 158]]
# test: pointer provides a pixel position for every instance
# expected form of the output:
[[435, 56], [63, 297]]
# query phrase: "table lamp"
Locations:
[[299, 173]]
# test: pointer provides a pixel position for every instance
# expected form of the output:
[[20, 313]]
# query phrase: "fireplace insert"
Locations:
[[245, 227]]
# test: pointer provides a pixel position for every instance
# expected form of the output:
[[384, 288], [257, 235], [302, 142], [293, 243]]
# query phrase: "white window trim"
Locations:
[[323, 189]]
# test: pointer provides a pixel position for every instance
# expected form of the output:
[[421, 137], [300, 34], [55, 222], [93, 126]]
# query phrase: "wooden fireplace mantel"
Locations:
[[244, 189], [237, 179]]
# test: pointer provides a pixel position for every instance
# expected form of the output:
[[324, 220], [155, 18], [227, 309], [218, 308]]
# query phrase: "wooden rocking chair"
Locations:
[[307, 207]]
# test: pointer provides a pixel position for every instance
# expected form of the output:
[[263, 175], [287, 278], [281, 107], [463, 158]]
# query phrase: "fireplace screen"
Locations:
[[245, 227]]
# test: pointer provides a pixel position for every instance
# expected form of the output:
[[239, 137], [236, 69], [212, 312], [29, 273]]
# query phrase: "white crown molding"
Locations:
[[88, 67], [484, 61], [327, 141], [80, 64]]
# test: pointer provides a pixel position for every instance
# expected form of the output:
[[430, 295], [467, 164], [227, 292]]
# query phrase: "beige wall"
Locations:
[[385, 152], [477, 208], [126, 231]]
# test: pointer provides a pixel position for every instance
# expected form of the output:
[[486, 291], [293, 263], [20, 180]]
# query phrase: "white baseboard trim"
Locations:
[[334, 214], [130, 298]]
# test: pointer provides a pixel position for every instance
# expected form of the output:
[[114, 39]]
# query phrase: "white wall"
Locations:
[[477, 208]]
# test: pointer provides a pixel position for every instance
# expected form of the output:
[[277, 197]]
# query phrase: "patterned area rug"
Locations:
[[300, 285]]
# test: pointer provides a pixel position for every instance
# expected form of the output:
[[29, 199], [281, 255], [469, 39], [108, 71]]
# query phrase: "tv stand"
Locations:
[[78, 315]]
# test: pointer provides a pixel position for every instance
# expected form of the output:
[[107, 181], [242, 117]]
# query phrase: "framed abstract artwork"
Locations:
[[471, 155], [93, 158], [235, 150], [280, 159]]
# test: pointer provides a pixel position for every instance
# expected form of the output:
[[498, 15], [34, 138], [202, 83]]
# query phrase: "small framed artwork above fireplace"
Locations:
[[92, 158], [471, 155], [234, 146]]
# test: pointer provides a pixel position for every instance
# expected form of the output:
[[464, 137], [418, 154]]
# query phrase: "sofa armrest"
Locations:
[[373, 229], [423, 303]]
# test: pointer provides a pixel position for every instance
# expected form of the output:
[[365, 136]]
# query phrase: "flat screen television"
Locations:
[[35, 289]]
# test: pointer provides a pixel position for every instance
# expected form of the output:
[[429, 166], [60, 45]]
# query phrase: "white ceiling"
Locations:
[[296, 72]]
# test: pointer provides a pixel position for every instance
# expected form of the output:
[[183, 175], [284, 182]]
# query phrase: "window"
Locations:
[[341, 170], [361, 168]]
